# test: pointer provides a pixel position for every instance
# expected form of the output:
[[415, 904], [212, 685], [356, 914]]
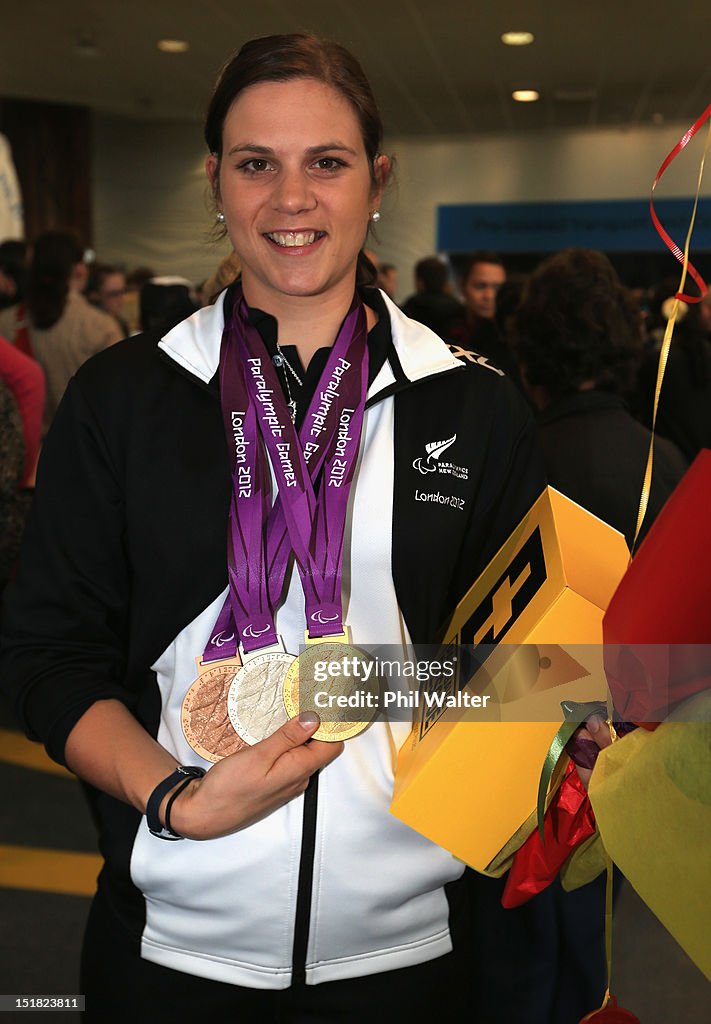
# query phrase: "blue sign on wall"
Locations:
[[617, 225]]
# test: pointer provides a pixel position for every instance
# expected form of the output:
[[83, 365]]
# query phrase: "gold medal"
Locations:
[[255, 702], [204, 716], [331, 677]]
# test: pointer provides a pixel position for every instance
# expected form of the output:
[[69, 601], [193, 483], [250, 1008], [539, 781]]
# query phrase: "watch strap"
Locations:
[[184, 774]]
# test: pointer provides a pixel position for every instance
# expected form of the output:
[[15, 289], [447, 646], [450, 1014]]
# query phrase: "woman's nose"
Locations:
[[293, 192]]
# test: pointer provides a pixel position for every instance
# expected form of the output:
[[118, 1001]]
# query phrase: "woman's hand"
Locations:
[[111, 750], [597, 731], [248, 785]]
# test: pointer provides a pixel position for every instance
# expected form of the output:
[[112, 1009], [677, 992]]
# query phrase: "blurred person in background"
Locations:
[[705, 315], [227, 271], [62, 327], [25, 379], [164, 302], [579, 342], [106, 289], [477, 330], [508, 300], [130, 312], [14, 502], [482, 276], [387, 279], [432, 303], [13, 272], [684, 413]]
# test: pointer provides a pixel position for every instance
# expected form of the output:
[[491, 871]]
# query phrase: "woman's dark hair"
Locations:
[[54, 256], [282, 58], [577, 325], [508, 300]]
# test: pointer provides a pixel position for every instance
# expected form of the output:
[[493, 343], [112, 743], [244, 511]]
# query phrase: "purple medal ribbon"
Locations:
[[309, 523]]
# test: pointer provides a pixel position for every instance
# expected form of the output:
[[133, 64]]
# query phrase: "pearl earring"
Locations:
[[220, 217], [375, 216]]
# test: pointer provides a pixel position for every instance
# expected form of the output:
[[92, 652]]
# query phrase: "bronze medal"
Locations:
[[344, 720], [204, 716]]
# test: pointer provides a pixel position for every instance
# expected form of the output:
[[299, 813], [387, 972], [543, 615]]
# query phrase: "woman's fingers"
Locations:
[[250, 784], [597, 731], [289, 753], [291, 735]]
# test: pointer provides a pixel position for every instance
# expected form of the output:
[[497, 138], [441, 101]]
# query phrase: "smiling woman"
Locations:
[[297, 196], [297, 199], [216, 497]]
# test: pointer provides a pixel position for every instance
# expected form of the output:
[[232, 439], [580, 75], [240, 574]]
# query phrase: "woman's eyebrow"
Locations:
[[326, 147], [250, 147], [330, 147]]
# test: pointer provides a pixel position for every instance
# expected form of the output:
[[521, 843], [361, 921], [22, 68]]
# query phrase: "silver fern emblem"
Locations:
[[434, 450]]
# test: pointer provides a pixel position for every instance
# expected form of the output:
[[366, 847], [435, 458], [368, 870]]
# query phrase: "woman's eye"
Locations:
[[256, 165], [328, 163]]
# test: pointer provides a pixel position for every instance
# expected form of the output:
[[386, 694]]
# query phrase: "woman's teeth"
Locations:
[[293, 239]]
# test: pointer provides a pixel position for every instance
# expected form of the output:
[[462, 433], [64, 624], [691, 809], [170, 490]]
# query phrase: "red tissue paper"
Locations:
[[569, 821], [657, 628]]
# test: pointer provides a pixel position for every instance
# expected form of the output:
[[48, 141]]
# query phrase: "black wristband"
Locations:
[[168, 807], [156, 798]]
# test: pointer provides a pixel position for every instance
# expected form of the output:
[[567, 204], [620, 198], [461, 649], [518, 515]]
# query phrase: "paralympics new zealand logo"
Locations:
[[431, 462]]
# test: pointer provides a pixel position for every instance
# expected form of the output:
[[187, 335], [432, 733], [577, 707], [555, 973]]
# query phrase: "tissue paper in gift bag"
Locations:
[[651, 794], [657, 628]]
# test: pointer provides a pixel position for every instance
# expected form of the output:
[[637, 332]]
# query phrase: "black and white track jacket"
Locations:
[[123, 574]]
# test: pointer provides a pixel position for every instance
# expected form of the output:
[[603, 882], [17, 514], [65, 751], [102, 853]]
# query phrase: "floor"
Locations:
[[48, 862]]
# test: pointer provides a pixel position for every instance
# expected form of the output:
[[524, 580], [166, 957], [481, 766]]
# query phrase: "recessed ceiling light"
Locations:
[[517, 38], [525, 95], [173, 45]]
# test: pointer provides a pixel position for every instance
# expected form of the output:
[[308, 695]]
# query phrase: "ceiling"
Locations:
[[437, 66]]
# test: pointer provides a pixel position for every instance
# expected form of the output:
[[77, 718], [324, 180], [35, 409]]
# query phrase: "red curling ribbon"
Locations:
[[666, 238]]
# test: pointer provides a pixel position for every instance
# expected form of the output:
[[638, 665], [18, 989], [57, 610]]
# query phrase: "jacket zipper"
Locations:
[[302, 920]]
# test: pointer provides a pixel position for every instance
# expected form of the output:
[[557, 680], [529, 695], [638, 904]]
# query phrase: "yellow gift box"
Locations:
[[470, 781]]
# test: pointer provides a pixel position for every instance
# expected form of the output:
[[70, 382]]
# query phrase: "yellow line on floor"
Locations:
[[28, 867], [17, 749]]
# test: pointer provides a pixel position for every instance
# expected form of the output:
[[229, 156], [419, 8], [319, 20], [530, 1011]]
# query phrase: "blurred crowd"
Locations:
[[585, 350], [582, 347]]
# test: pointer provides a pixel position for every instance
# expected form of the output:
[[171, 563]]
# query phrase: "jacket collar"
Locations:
[[194, 344]]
